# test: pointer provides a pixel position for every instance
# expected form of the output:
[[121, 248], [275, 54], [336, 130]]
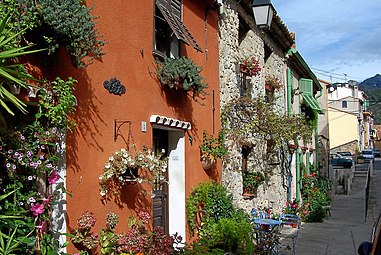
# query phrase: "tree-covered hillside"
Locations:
[[372, 88]]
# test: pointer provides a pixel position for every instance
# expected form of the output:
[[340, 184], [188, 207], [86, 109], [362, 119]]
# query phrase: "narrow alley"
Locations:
[[346, 228]]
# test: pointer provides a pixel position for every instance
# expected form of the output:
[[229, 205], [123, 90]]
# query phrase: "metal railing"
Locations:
[[367, 187]]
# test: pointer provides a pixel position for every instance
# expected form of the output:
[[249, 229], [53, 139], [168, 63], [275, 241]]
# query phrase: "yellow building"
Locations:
[[343, 129]]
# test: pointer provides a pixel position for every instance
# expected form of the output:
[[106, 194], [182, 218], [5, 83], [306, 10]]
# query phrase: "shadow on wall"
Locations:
[[134, 196]]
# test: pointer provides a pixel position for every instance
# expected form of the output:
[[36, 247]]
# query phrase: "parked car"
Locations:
[[346, 154], [368, 155], [376, 153], [339, 160]]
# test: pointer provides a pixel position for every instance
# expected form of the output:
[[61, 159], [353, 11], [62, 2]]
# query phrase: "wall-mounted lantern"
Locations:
[[263, 12]]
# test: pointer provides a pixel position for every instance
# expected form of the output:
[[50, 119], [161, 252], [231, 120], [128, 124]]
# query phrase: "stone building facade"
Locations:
[[239, 38]]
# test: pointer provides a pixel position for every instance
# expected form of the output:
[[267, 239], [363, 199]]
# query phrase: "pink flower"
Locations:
[[37, 209], [53, 178], [47, 200], [42, 227]]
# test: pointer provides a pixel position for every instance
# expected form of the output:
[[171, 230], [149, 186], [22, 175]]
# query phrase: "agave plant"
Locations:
[[12, 72]]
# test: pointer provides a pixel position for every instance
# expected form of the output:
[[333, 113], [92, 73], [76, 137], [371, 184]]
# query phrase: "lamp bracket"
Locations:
[[117, 126]]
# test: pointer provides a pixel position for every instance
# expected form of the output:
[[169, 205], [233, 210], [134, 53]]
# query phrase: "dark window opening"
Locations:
[[344, 104], [268, 52], [166, 44], [245, 156], [170, 30], [269, 95]]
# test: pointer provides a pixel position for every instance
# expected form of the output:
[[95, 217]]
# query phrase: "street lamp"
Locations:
[[263, 12]]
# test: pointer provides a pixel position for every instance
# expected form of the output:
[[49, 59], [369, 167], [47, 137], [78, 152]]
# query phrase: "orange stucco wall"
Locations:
[[127, 26]]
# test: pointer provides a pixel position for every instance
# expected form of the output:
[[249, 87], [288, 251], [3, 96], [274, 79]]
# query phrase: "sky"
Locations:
[[339, 39]]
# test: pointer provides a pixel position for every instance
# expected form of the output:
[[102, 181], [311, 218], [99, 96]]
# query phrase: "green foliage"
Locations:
[[211, 147], [233, 234], [73, 27], [181, 73], [316, 194], [8, 244], [212, 198], [30, 154], [219, 225], [11, 73], [245, 118], [58, 102], [59, 23], [251, 181], [374, 98]]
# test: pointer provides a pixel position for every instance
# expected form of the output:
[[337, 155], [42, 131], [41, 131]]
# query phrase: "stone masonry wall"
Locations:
[[273, 192]]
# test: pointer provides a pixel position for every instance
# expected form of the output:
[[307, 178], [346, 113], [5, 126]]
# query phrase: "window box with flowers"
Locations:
[[250, 67], [251, 182], [211, 149], [122, 167], [181, 74]]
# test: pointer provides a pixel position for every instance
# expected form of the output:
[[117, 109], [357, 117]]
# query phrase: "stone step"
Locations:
[[361, 173]]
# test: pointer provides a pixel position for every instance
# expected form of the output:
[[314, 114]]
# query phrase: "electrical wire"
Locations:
[[335, 73]]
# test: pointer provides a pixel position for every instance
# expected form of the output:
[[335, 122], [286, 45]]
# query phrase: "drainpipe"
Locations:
[[290, 178], [317, 147], [317, 135], [289, 92], [297, 158]]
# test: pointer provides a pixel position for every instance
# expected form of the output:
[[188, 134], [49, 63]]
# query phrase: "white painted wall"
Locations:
[[176, 187]]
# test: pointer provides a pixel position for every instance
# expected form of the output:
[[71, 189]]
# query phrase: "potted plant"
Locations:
[[123, 166], [181, 74], [251, 182], [292, 207], [249, 66], [272, 83], [359, 158], [211, 149]]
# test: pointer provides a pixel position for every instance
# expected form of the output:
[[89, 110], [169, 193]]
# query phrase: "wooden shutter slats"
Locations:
[[189, 36], [172, 23], [173, 18]]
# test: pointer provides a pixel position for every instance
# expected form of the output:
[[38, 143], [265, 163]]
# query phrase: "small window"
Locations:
[[170, 30], [268, 52], [269, 95], [344, 104]]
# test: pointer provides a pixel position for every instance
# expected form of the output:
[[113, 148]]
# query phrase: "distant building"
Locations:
[[350, 124]]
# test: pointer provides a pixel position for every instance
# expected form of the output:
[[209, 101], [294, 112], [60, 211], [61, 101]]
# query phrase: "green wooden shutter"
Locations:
[[306, 86]]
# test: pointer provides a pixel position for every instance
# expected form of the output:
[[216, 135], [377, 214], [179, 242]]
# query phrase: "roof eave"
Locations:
[[302, 64]]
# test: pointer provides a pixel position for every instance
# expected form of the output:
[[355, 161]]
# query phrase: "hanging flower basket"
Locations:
[[272, 83], [131, 174], [249, 67], [123, 167], [181, 74]]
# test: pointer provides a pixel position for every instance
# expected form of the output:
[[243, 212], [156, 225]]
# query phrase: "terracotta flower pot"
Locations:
[[249, 194], [293, 225], [207, 163]]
